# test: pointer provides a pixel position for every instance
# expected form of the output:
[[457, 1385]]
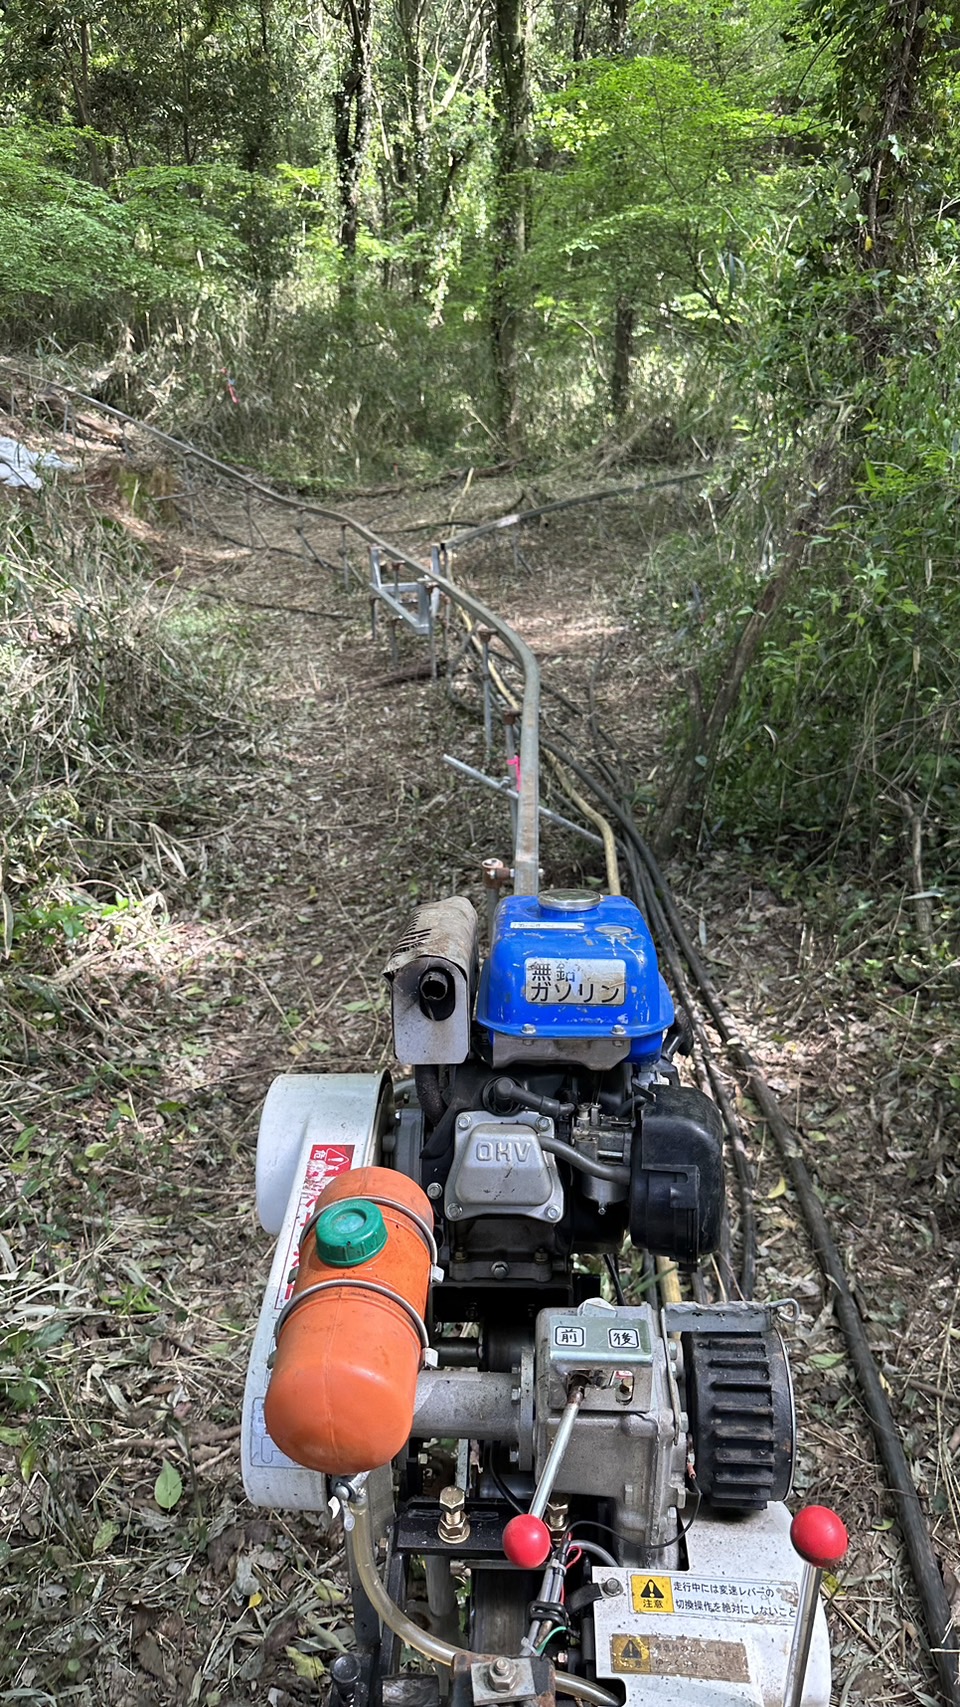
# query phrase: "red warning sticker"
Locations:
[[326, 1162]]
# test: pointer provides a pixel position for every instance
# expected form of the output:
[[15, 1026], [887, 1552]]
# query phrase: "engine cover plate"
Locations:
[[500, 1168]]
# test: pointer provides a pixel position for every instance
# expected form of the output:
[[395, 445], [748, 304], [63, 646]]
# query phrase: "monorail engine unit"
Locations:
[[580, 1495]]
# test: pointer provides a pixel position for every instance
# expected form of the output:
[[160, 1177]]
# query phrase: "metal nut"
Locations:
[[611, 1586], [501, 1675]]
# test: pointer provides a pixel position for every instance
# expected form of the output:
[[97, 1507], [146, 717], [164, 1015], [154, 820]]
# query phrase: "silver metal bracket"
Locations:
[[501, 1680], [747, 1318]]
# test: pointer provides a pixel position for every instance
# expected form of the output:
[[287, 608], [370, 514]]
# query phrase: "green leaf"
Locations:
[[106, 1535], [168, 1486], [826, 1359]]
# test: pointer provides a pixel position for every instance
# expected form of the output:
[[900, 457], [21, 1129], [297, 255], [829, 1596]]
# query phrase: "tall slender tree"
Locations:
[[511, 25]]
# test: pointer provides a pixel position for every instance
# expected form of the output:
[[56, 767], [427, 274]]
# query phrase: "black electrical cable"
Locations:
[[501, 1485], [683, 1530], [613, 1269], [944, 1644]]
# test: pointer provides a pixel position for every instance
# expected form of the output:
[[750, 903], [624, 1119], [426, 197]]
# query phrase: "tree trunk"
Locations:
[[624, 323], [885, 200], [616, 26], [512, 102], [352, 108]]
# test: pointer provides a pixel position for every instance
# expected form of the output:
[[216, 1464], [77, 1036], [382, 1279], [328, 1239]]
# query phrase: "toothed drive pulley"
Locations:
[[741, 1417]]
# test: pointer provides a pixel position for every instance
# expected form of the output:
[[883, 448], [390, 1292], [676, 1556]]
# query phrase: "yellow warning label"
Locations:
[[680, 1656], [629, 1653], [652, 1594]]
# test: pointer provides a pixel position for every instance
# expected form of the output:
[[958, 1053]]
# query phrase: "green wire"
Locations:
[[558, 1630]]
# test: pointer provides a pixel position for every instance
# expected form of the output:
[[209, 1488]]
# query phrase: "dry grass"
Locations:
[[142, 1043]]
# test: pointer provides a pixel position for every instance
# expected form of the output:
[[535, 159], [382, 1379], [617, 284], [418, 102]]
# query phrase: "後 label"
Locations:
[[580, 983]]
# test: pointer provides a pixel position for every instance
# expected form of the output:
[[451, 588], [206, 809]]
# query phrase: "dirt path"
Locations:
[[122, 1589]]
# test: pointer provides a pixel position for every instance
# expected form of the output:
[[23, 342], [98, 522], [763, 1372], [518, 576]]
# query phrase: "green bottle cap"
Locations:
[[350, 1232]]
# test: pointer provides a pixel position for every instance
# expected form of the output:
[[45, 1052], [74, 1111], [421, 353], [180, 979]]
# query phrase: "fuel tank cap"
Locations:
[[350, 1232], [568, 900]]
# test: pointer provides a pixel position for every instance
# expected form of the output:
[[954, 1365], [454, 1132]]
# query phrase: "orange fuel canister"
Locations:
[[349, 1346]]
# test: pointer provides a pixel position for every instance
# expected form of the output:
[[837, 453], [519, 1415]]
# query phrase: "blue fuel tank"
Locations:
[[568, 969]]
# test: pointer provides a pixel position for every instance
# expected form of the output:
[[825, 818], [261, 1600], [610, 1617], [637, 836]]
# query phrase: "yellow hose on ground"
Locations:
[[668, 1281]]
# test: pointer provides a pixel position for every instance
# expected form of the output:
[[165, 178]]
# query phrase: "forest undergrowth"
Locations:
[[215, 820]]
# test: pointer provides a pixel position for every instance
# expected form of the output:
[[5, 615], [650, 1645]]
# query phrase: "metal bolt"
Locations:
[[454, 1524], [553, 1213], [499, 1270], [556, 1516], [453, 1210], [501, 1675], [463, 1120], [611, 1586], [618, 1031], [543, 1124], [434, 1189]]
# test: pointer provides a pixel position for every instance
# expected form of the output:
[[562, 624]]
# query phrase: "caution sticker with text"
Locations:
[[679, 1656], [762, 1602]]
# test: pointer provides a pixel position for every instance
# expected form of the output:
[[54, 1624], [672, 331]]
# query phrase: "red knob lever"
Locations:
[[527, 1541], [819, 1536]]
